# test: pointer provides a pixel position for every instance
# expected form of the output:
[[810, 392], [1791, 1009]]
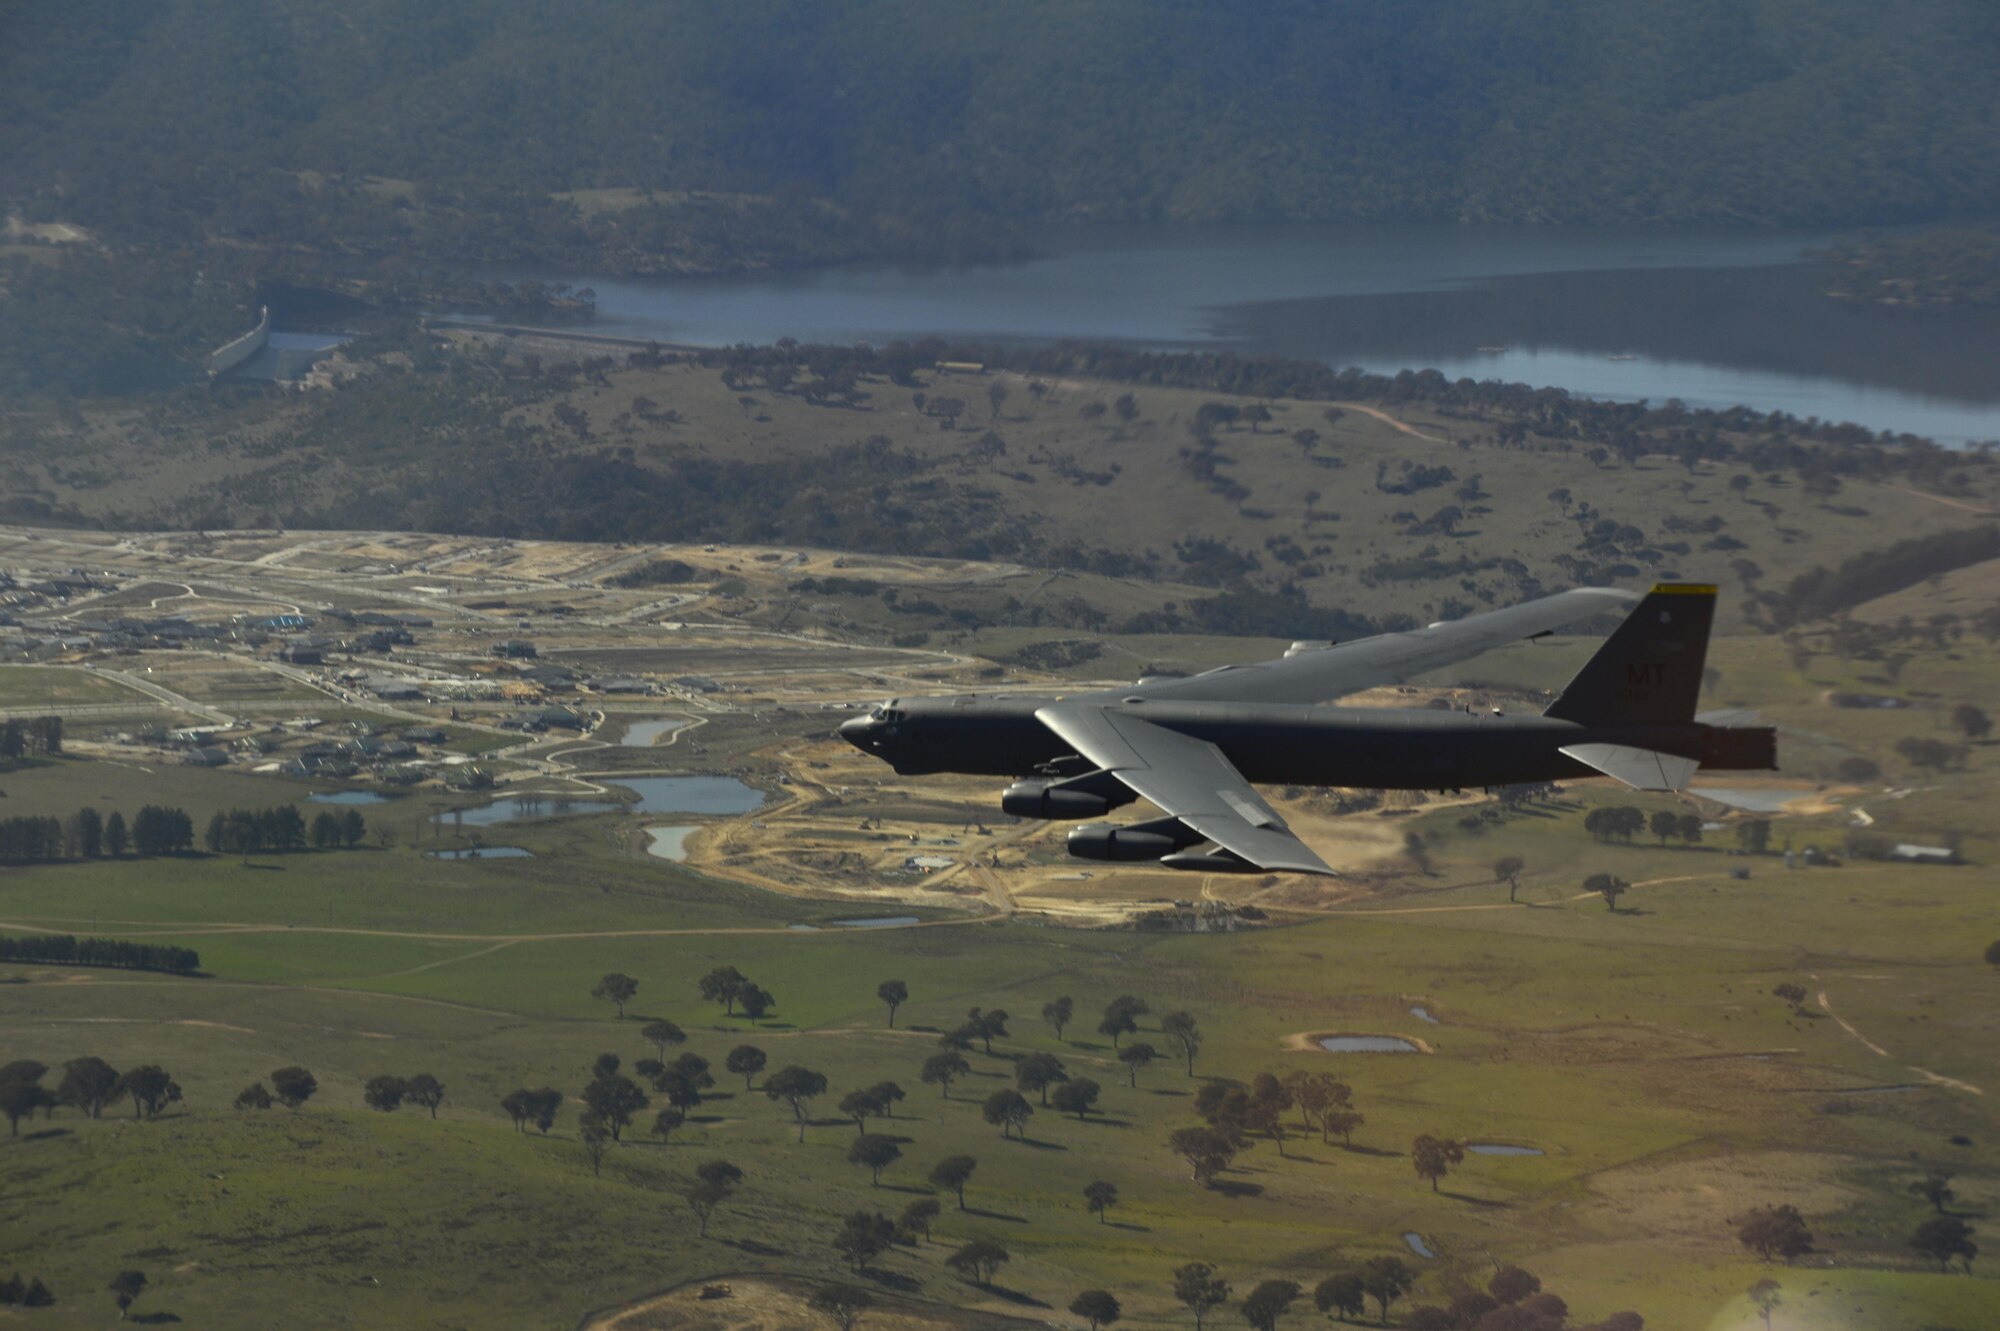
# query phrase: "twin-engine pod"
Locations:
[[1128, 842], [1084, 796]]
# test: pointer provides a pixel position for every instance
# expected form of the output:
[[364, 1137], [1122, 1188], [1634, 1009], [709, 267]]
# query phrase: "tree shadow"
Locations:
[[1366, 1150], [1169, 1091], [1043, 1146], [154, 1319], [754, 1247], [45, 1134], [906, 1187], [1233, 1188], [1126, 1224], [1485, 1203], [996, 1215], [1014, 1296], [895, 1280]]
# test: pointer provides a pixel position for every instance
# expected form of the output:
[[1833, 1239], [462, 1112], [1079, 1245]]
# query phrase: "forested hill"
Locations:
[[244, 121]]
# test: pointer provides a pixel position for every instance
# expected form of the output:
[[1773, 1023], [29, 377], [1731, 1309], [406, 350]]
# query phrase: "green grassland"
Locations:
[[1617, 1043], [1640, 1049]]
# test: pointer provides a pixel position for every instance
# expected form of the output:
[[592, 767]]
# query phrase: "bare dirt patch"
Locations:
[[766, 1303]]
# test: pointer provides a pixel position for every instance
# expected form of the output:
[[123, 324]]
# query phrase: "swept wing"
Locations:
[[1327, 673], [1188, 778]]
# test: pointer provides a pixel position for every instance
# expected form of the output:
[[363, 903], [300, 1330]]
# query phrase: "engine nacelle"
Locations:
[[1214, 861], [1048, 799], [1123, 843]]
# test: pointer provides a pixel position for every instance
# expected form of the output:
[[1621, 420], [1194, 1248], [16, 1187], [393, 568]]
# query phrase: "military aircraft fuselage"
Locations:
[[1279, 744]]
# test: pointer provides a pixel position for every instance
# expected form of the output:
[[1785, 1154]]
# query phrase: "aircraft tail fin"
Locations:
[[1649, 670]]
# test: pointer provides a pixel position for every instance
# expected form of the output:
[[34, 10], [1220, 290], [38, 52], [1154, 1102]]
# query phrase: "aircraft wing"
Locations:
[[1325, 673], [1186, 777]]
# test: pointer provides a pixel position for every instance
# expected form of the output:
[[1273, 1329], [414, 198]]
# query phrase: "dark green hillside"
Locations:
[[199, 116]]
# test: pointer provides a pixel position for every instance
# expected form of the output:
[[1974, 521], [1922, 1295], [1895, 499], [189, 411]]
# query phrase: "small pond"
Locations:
[[348, 797], [657, 794], [1422, 1013], [644, 734], [1501, 1148], [520, 808], [875, 922], [1367, 1044], [668, 843], [481, 853], [692, 794], [1417, 1245]]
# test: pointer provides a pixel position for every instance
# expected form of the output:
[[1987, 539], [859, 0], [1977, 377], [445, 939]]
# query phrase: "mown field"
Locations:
[[1642, 1051]]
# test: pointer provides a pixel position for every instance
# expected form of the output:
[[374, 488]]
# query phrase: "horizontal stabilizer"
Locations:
[[1728, 716], [1641, 769]]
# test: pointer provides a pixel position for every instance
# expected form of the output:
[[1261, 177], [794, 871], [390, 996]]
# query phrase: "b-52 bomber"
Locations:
[[1194, 746]]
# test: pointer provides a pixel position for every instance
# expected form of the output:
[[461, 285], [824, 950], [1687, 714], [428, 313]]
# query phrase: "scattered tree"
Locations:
[[594, 1135], [841, 1304], [1507, 869], [667, 1122], [1386, 1279], [894, 993], [941, 1069], [1511, 1284], [1181, 1028], [88, 1084], [1008, 1111], [746, 1061], [384, 1093], [1765, 1298], [1268, 1302], [1057, 1013], [952, 1174], [862, 1237], [1095, 1306], [1121, 1017], [1432, 1157], [1198, 1286], [755, 1001], [1207, 1150], [917, 1217], [127, 1286], [715, 1182], [20, 1099], [1609, 886], [151, 1089], [1343, 1296], [1792, 994], [1135, 1056], [1077, 1097], [1100, 1197], [617, 989], [253, 1096], [978, 1261], [1972, 722], [876, 1152], [615, 1099], [1775, 1231], [797, 1087], [293, 1086], [1038, 1072], [1943, 1237], [721, 985], [426, 1090], [660, 1034]]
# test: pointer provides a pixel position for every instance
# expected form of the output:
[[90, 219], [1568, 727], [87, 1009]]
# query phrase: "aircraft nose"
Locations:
[[858, 731]]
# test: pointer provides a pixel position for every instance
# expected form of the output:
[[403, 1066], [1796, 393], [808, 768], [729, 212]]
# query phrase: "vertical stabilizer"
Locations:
[[1649, 670]]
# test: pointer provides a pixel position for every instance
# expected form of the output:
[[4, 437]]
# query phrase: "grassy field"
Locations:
[[1641, 1051]]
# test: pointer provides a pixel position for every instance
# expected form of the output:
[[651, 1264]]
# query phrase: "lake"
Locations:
[[1715, 318]]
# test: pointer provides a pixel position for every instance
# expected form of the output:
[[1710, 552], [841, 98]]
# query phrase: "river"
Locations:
[[1715, 319]]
